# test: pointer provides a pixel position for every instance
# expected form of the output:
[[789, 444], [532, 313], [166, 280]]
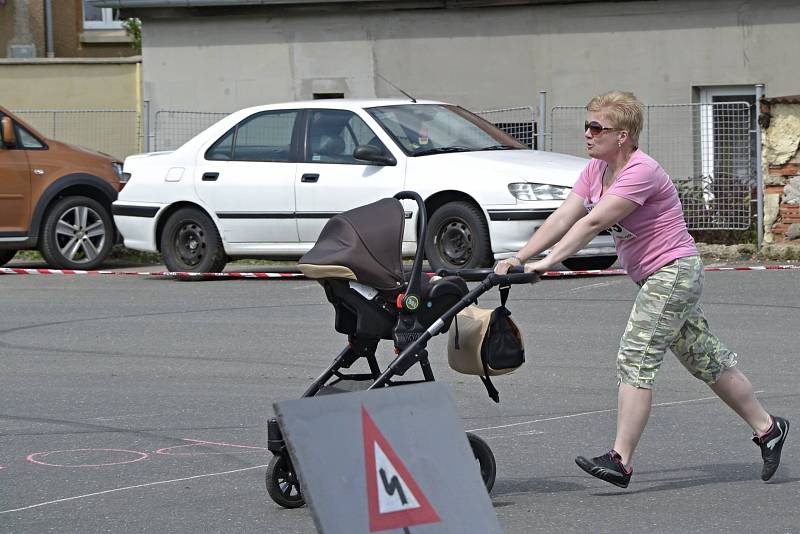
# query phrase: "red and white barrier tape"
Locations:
[[554, 274], [10, 270]]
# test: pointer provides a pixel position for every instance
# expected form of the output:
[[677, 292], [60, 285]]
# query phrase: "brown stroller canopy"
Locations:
[[362, 244]]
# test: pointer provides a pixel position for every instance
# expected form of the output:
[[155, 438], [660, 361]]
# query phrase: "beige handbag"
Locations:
[[485, 343]]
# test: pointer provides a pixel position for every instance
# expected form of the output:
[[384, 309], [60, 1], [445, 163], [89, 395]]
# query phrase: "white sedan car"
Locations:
[[263, 181]]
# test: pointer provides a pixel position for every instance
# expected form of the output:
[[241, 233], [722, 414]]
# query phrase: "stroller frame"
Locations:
[[410, 340]]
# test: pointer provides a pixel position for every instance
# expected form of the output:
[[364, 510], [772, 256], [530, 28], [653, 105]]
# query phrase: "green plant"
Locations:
[[133, 27]]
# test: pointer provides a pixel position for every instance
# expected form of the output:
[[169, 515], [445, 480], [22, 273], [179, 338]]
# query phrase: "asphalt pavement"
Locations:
[[139, 404]]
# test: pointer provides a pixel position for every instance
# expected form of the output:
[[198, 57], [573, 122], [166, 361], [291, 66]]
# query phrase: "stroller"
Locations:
[[357, 260]]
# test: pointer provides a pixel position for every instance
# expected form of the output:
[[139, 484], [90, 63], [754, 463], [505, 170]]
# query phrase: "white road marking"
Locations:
[[599, 284], [130, 488], [594, 412], [306, 286]]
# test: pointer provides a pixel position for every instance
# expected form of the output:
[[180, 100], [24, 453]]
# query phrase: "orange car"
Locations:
[[55, 197]]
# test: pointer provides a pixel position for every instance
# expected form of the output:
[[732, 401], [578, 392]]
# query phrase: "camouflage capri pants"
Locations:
[[666, 314]]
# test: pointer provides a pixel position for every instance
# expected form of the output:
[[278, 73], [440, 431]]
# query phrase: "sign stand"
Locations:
[[388, 459]]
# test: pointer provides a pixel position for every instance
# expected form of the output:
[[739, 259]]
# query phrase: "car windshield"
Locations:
[[424, 129]]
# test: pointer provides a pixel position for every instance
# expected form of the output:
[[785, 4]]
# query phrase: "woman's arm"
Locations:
[[553, 229], [610, 210]]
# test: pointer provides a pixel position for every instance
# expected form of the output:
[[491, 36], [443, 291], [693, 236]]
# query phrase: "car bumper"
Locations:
[[137, 224], [510, 229]]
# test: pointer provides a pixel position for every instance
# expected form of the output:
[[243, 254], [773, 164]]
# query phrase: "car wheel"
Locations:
[[78, 234], [191, 243], [595, 263], [458, 238], [6, 255]]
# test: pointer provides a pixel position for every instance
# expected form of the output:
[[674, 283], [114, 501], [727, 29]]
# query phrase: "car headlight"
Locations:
[[117, 169], [527, 191]]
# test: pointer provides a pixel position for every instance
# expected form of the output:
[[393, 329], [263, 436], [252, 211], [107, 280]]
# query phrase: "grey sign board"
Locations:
[[393, 459]]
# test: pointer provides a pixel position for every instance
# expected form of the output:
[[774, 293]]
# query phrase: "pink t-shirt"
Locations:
[[655, 233]]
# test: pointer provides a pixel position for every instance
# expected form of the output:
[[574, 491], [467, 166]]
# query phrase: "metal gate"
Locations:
[[174, 128], [707, 149], [519, 123]]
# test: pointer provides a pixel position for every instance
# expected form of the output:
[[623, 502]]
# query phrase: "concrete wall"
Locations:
[[74, 88], [70, 84], [480, 58]]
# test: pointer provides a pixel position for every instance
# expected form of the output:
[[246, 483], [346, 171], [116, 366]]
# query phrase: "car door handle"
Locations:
[[309, 178], [210, 176]]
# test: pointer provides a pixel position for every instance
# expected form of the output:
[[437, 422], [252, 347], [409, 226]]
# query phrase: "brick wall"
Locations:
[[786, 226], [781, 159]]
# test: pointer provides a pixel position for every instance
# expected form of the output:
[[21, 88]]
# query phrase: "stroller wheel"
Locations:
[[485, 458], [282, 484]]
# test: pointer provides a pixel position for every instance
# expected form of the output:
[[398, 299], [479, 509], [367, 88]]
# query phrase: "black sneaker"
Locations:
[[607, 467], [771, 444]]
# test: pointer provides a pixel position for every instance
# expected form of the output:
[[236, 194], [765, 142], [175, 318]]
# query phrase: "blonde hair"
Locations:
[[623, 109]]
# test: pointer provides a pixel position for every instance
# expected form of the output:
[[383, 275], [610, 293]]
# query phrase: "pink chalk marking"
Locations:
[[34, 457], [196, 442]]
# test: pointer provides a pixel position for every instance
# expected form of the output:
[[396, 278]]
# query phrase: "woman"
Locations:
[[626, 191]]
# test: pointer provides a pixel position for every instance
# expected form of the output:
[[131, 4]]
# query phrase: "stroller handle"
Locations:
[[415, 281], [408, 195], [516, 275]]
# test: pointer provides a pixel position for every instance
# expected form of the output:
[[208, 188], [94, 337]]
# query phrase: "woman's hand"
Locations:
[[503, 266], [541, 266]]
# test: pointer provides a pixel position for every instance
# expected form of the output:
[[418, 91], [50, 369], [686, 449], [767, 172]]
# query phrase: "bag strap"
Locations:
[[504, 291], [486, 379], [455, 339], [487, 383]]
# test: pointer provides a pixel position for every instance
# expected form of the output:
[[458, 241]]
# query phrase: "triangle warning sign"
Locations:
[[394, 498]]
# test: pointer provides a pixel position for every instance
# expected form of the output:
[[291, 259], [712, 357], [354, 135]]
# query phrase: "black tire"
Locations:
[[191, 243], [458, 238], [6, 256], [282, 484], [485, 458], [589, 263], [78, 233]]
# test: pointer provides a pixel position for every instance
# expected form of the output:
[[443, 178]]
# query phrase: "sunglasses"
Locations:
[[595, 128]]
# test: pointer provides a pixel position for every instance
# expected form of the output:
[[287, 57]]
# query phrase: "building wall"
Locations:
[[35, 19], [69, 37], [480, 58], [70, 84], [71, 40]]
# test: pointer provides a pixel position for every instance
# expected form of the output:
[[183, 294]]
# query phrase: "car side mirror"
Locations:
[[7, 132], [374, 155]]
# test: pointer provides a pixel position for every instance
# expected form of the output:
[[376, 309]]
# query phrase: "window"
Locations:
[[261, 137], [222, 150], [334, 134], [25, 139], [422, 129], [100, 18]]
